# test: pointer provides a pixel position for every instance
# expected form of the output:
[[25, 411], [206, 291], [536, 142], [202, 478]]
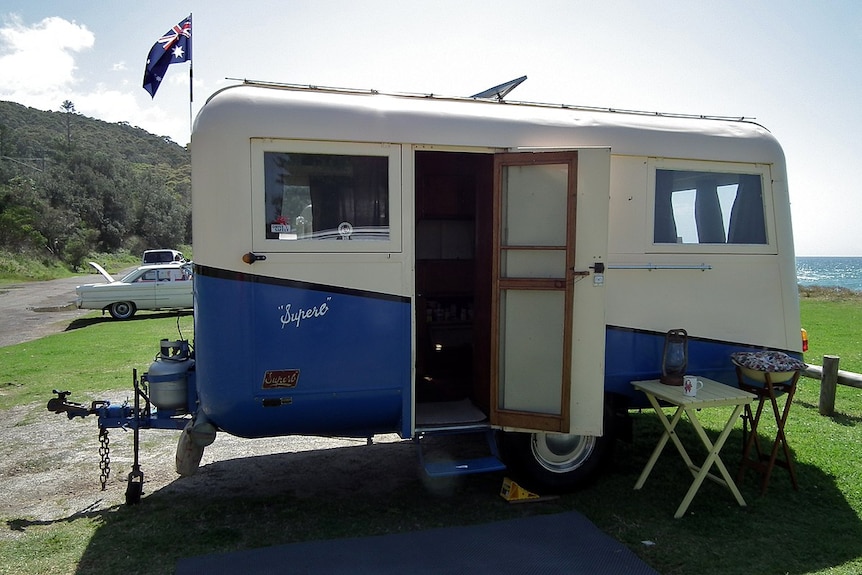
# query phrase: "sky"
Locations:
[[793, 66]]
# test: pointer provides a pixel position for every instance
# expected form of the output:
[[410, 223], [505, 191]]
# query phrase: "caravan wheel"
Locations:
[[555, 462], [558, 462]]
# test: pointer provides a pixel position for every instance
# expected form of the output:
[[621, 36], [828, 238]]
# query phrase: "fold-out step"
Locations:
[[464, 467], [462, 453]]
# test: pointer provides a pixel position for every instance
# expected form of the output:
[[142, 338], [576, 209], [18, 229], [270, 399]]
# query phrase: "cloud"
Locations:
[[38, 61], [38, 68]]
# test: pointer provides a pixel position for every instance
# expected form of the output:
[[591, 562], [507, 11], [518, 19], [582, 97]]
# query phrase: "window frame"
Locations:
[[762, 170], [260, 243]]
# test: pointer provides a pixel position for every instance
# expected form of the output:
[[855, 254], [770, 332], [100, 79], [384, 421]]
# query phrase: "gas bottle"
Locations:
[[167, 376]]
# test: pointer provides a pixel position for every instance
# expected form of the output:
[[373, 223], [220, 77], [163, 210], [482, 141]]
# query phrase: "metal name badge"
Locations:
[[282, 378]]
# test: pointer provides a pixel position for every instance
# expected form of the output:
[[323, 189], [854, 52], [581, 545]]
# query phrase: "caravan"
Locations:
[[371, 263]]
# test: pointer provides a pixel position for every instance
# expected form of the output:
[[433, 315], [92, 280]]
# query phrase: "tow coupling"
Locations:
[[141, 414]]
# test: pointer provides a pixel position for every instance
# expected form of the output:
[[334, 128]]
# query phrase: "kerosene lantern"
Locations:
[[674, 359]]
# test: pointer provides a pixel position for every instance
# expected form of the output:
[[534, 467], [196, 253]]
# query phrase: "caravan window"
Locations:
[[705, 207], [315, 196]]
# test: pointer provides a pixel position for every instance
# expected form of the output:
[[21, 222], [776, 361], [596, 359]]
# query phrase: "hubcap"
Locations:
[[561, 453]]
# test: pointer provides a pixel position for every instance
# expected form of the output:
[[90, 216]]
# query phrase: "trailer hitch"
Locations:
[[72, 409], [139, 415]]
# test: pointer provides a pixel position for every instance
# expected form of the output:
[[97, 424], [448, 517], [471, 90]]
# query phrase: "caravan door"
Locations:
[[547, 325]]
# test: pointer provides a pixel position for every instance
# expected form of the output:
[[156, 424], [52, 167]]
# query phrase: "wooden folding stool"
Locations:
[[760, 461]]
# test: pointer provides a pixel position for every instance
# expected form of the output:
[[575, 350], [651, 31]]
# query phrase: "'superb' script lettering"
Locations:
[[295, 317]]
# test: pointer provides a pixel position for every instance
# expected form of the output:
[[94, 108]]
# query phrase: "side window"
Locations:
[[701, 207], [313, 196], [149, 276]]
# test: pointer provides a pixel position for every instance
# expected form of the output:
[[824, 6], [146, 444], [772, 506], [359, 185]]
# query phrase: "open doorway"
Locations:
[[453, 285]]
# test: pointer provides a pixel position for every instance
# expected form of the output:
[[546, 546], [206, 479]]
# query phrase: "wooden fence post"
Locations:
[[828, 384]]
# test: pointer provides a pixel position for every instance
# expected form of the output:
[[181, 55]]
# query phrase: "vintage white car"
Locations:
[[161, 286]]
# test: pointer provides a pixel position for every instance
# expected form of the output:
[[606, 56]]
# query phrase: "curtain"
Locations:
[[707, 213], [358, 195], [664, 226], [747, 225]]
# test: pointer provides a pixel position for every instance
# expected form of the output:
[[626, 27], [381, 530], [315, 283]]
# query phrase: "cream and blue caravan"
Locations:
[[372, 263]]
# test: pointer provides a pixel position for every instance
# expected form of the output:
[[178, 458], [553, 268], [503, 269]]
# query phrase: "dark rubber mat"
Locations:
[[545, 544]]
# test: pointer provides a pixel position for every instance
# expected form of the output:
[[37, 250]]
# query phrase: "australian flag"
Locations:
[[172, 48]]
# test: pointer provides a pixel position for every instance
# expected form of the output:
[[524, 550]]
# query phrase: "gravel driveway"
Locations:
[[32, 310]]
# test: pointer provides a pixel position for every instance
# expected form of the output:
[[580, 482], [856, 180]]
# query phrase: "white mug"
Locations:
[[690, 385]]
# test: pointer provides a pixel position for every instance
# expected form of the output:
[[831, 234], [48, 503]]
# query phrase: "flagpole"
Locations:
[[191, 78]]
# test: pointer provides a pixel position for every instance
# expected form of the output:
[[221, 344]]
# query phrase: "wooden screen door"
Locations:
[[533, 273]]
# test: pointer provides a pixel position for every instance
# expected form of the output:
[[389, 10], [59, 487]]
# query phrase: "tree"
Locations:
[[78, 248], [161, 207], [18, 230], [69, 107], [117, 188]]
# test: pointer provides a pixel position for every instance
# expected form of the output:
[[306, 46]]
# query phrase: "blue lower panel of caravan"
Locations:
[[276, 357], [632, 355]]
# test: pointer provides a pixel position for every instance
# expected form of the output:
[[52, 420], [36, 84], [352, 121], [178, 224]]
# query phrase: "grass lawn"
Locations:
[[817, 529]]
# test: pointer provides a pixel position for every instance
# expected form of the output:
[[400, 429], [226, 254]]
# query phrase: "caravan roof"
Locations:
[[261, 110]]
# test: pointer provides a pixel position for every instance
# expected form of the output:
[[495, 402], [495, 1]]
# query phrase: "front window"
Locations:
[[701, 207], [313, 196]]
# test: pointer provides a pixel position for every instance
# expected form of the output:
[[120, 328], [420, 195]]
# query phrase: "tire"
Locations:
[[122, 310], [556, 462]]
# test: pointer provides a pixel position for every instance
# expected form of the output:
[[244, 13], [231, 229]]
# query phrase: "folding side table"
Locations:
[[760, 461], [712, 394]]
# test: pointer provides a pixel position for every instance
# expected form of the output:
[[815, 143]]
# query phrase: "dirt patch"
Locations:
[[49, 465]]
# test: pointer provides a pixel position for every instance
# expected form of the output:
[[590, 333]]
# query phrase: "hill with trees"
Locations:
[[71, 185]]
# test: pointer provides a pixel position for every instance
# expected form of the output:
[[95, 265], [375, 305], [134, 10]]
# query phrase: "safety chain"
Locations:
[[104, 455]]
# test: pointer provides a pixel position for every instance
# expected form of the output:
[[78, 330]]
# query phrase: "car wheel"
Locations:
[[122, 310]]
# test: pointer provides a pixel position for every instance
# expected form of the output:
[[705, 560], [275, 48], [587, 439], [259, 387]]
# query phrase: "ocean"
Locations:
[[843, 272]]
